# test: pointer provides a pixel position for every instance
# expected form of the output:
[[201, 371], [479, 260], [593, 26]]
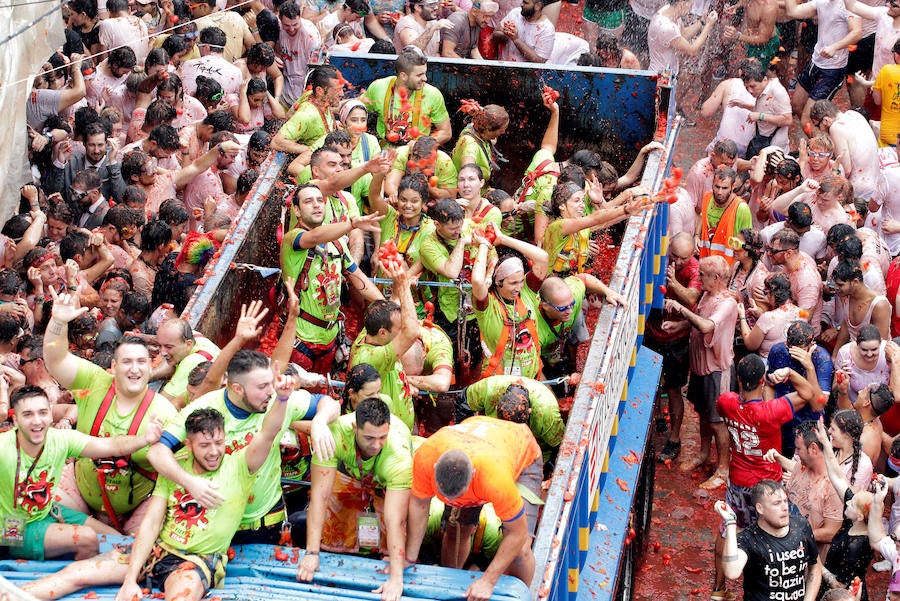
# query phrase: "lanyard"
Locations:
[[366, 479], [19, 466]]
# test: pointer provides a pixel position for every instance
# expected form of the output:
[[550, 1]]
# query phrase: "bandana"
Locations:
[[45, 258], [507, 268]]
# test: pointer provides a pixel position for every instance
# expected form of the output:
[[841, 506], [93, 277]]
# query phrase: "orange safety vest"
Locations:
[[715, 241], [511, 329]]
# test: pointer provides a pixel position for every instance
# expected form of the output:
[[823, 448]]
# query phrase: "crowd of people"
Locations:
[[147, 133]]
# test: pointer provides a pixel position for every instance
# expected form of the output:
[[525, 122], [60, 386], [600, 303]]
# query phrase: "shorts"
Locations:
[[764, 53], [162, 562], [675, 360], [35, 532], [316, 358], [861, 58], [738, 498], [821, 84], [529, 479], [703, 391]]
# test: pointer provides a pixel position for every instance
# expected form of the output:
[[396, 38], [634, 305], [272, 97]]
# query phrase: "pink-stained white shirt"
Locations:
[[206, 185], [774, 325], [214, 66], [295, 51], [682, 217], [163, 189], [126, 31], [714, 351], [191, 111], [806, 284], [860, 378], [539, 36]]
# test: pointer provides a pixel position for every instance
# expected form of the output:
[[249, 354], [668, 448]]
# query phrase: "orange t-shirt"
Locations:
[[499, 451]]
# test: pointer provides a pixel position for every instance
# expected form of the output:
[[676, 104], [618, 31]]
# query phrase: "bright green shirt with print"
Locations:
[[322, 295], [432, 108], [393, 378], [191, 528], [438, 348], [35, 494], [407, 240], [444, 169], [203, 349], [126, 488], [367, 148], [545, 421], [568, 252], [391, 468], [542, 188], [469, 149], [521, 354], [240, 428], [308, 126]]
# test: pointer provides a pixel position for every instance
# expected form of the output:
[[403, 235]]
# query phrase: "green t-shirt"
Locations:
[[35, 496], [125, 482], [308, 126], [322, 297], [568, 251], [438, 348], [391, 468], [367, 148], [469, 149], [195, 529], [543, 186], [521, 354], [432, 110], [487, 537], [444, 169], [742, 219], [393, 378], [553, 338], [545, 421], [178, 383], [341, 207], [240, 428], [434, 252], [407, 241]]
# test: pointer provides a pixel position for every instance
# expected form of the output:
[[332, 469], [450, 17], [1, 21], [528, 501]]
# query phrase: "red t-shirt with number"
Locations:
[[754, 427]]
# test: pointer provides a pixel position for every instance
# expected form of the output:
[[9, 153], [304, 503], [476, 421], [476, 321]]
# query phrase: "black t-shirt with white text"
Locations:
[[776, 567]]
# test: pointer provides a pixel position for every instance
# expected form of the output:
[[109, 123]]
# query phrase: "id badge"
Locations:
[[13, 534], [513, 370], [368, 530]]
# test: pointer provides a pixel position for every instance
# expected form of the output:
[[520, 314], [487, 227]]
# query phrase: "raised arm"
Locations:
[[539, 258], [248, 328], [185, 175], [733, 558], [259, 447], [61, 364], [637, 167], [122, 446], [807, 10], [835, 472], [409, 321]]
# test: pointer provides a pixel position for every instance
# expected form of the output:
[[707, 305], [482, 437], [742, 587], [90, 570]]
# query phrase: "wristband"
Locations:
[[254, 31], [68, 420], [283, 400], [312, 553], [729, 522], [72, 288], [762, 116]]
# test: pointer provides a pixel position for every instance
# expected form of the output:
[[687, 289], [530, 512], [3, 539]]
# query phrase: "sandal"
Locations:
[[717, 480]]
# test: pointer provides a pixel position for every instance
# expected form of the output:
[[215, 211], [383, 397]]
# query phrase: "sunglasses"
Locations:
[[191, 35], [735, 243], [507, 214], [561, 309], [27, 361], [77, 195], [821, 155], [776, 251]]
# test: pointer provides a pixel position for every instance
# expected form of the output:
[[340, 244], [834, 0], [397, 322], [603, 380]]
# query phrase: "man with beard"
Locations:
[[777, 554], [722, 215], [315, 256], [101, 154], [183, 546], [421, 28], [394, 100], [32, 457], [122, 403], [527, 35]]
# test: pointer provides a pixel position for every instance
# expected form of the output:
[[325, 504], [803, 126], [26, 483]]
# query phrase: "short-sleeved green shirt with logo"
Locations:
[[391, 468], [126, 488], [35, 496], [444, 169], [204, 350], [240, 428], [553, 338], [308, 126], [542, 189], [393, 378], [433, 111], [322, 297], [192, 528], [545, 421], [367, 148], [521, 356], [407, 240], [568, 252]]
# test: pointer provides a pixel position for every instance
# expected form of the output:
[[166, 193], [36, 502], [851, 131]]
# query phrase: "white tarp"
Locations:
[[20, 58]]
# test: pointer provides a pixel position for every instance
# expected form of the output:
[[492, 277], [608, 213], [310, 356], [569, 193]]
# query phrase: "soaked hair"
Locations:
[[198, 374], [358, 376], [453, 473], [753, 244], [205, 421], [799, 333], [372, 410], [799, 214], [562, 193], [446, 210], [26, 392], [750, 371], [838, 232], [245, 361], [514, 405], [849, 248], [490, 118], [378, 315], [408, 59], [847, 270], [823, 141], [806, 431], [780, 287], [571, 173], [881, 397], [417, 182], [866, 333]]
